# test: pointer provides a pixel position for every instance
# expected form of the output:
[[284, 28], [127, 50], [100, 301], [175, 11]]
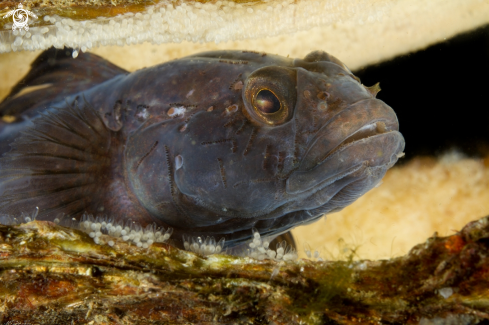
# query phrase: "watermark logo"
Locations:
[[20, 17]]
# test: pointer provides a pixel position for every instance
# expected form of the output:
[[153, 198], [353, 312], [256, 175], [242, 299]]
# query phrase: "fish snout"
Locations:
[[363, 136]]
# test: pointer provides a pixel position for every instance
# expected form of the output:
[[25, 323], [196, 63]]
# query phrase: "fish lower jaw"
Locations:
[[374, 151]]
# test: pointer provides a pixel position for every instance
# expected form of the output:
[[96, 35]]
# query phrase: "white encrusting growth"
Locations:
[[316, 255], [133, 233], [172, 21], [259, 249], [30, 218], [129, 232], [203, 247]]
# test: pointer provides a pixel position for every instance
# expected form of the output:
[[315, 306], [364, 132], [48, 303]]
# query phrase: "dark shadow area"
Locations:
[[440, 95]]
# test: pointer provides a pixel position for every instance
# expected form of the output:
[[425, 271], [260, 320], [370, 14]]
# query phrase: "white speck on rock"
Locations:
[[445, 292], [362, 266], [190, 93]]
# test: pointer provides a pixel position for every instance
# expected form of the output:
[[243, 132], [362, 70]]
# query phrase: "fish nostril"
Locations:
[[323, 95]]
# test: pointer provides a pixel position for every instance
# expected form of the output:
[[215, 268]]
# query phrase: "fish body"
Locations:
[[213, 144]]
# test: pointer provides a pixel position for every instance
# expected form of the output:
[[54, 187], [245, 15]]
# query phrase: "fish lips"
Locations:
[[365, 134]]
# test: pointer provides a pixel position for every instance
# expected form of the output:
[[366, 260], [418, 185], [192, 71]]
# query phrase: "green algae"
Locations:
[[47, 267]]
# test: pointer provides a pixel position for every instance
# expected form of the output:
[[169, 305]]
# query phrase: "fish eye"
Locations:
[[266, 102], [269, 95]]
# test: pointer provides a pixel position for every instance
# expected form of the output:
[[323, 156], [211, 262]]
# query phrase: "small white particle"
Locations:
[[176, 111], [190, 93], [178, 162], [143, 114], [445, 292], [275, 272], [232, 109]]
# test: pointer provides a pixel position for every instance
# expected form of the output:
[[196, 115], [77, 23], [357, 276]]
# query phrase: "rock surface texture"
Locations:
[[56, 275], [359, 31]]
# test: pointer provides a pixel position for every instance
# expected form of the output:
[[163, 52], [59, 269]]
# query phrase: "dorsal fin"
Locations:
[[58, 164], [55, 75]]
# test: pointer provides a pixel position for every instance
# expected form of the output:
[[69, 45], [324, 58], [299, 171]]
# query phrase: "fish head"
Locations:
[[294, 140]]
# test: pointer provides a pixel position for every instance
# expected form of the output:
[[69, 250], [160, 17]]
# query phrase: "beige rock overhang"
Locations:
[[358, 31]]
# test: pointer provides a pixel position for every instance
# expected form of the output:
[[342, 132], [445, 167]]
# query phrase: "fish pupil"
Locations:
[[267, 102]]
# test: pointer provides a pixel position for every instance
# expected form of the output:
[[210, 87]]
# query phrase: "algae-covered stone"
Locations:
[[44, 280]]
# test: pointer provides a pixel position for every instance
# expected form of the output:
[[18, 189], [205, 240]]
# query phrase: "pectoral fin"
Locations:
[[58, 164]]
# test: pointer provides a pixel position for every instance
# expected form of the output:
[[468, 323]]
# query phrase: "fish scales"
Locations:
[[212, 144]]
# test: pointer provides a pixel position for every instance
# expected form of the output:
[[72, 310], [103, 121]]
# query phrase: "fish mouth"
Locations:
[[363, 135]]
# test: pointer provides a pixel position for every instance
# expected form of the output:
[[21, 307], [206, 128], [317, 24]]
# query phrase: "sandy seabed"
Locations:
[[415, 200]]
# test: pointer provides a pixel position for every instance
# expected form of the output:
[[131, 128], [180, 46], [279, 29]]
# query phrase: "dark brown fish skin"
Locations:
[[218, 169]]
